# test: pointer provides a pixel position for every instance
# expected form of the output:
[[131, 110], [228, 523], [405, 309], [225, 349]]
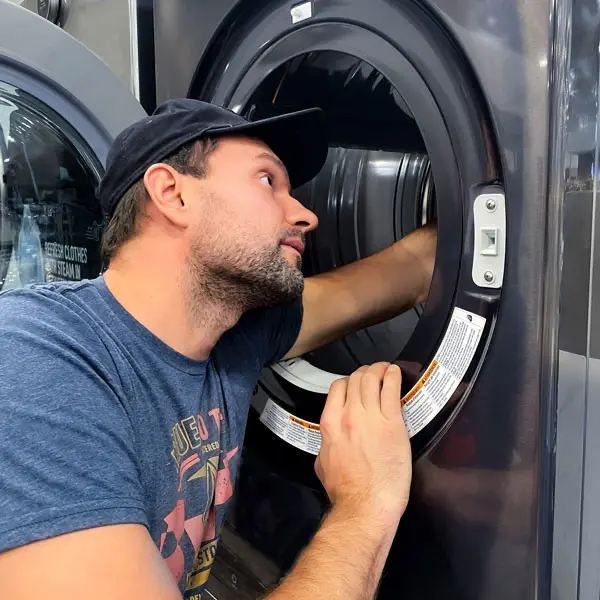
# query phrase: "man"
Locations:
[[125, 398]]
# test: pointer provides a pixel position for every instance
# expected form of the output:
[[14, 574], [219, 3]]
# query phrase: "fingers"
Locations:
[[376, 386], [390, 392], [334, 406], [353, 399], [370, 385]]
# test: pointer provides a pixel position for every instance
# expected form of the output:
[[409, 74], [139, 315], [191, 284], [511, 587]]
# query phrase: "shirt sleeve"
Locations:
[[286, 325], [67, 455], [273, 331]]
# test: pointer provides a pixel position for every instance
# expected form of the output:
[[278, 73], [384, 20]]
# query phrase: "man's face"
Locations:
[[247, 235]]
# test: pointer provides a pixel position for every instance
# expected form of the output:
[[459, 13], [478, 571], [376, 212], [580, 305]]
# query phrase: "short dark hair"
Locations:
[[190, 159]]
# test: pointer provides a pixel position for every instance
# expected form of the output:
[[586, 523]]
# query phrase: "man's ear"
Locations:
[[165, 186]]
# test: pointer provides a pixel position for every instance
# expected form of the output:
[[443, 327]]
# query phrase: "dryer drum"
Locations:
[[365, 200], [368, 195]]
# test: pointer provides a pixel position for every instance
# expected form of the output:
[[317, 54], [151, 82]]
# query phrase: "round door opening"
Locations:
[[375, 188], [410, 142]]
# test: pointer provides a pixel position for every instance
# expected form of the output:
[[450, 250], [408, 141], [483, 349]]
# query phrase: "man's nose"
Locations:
[[297, 215]]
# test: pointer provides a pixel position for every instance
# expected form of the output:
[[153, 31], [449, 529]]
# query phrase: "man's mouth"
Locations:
[[296, 243]]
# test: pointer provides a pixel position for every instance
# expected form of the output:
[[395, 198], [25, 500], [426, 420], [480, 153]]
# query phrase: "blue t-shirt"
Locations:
[[102, 423]]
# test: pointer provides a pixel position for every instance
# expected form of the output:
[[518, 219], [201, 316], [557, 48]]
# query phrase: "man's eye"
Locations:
[[268, 180]]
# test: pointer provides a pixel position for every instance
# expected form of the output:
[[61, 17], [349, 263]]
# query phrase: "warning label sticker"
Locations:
[[297, 432], [424, 401], [435, 388]]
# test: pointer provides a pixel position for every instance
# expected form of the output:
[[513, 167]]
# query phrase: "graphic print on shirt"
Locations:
[[204, 487]]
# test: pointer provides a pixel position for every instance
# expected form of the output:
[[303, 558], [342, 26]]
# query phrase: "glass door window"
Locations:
[[50, 221]]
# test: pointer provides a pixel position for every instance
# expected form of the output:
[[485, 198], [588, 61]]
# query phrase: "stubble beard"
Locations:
[[241, 280]]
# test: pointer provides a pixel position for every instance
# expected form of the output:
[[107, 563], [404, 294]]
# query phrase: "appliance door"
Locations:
[[57, 121]]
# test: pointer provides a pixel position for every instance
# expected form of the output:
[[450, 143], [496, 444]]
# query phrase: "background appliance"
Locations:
[[435, 107], [118, 31], [56, 126]]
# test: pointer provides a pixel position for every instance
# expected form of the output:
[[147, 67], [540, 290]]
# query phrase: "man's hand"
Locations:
[[367, 292], [365, 459], [365, 465]]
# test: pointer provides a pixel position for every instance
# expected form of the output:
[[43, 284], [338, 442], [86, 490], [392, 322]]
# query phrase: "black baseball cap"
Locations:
[[299, 139]]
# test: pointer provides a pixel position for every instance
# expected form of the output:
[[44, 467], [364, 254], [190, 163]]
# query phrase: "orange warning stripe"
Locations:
[[430, 370], [305, 423], [432, 367]]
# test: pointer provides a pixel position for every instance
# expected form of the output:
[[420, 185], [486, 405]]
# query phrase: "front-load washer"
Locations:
[[56, 128], [437, 110]]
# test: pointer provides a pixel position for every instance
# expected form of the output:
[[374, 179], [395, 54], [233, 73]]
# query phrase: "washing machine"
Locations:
[[437, 111], [444, 111]]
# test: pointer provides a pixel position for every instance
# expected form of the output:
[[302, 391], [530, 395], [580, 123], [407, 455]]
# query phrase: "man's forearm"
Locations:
[[366, 292], [344, 561], [391, 281]]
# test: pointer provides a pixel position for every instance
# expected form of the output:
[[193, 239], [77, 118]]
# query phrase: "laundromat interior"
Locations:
[[480, 115]]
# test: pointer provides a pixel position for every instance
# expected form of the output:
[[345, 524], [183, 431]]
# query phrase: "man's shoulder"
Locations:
[[257, 322], [268, 333], [55, 328], [49, 307]]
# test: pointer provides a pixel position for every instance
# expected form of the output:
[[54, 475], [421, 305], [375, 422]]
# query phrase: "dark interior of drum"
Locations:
[[375, 188]]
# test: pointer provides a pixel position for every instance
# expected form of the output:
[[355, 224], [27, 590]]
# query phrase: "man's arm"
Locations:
[[72, 512], [344, 561], [119, 562], [365, 466], [366, 292]]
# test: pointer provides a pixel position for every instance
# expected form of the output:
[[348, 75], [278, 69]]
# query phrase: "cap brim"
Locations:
[[299, 139]]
